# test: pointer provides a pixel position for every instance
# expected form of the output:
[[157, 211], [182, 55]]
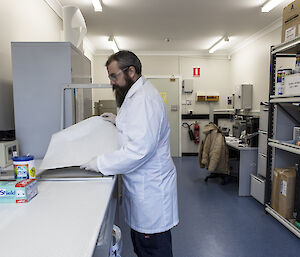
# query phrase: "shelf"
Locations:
[[290, 47], [283, 221], [284, 99], [284, 146]]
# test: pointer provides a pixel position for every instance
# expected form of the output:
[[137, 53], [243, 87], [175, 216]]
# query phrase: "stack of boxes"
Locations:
[[290, 85], [290, 21]]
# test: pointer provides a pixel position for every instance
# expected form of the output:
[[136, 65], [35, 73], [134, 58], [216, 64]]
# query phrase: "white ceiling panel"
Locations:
[[192, 26]]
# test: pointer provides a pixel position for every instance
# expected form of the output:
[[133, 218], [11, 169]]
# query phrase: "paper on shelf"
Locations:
[[79, 143]]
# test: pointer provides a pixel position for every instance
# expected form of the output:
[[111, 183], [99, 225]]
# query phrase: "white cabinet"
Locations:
[[39, 71]]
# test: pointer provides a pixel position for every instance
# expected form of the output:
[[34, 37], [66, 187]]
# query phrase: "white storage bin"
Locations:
[[116, 244], [257, 189]]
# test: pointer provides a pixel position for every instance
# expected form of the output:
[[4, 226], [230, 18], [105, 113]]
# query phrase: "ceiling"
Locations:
[[192, 26]]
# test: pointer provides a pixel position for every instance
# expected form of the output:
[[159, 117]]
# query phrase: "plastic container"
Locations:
[[116, 244], [24, 167]]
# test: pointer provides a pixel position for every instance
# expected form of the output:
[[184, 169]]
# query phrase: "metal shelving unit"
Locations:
[[284, 146], [284, 114]]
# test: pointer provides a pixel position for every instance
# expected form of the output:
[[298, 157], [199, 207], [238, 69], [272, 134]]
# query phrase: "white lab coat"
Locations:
[[149, 174]]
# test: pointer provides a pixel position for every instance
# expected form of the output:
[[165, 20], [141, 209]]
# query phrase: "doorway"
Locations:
[[170, 89]]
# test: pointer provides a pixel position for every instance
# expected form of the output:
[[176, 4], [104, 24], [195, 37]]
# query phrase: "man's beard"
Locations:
[[121, 92]]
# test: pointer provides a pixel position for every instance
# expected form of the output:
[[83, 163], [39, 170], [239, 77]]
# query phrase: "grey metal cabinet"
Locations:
[[258, 181], [39, 71]]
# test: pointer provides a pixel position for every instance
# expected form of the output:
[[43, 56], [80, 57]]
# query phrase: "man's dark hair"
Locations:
[[126, 59]]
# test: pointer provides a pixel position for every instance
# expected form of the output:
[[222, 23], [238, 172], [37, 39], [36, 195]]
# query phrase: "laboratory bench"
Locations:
[[68, 217]]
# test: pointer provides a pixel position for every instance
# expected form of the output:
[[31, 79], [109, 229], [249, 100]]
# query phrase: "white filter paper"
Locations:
[[79, 143]]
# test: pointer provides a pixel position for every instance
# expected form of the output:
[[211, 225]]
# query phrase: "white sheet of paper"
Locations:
[[79, 143]]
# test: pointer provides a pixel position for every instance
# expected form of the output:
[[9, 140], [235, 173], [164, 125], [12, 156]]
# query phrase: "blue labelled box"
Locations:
[[17, 191]]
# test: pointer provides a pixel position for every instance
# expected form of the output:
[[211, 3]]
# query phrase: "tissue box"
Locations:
[[17, 191]]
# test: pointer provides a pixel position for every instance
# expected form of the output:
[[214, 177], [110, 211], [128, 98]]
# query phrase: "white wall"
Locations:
[[175, 65], [252, 65], [30, 20], [214, 77]]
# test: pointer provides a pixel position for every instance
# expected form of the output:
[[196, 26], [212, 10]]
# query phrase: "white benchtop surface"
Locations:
[[236, 144], [63, 220]]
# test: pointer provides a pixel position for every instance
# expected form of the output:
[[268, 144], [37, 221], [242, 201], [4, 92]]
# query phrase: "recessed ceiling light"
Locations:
[[113, 44], [97, 5], [268, 6], [218, 44]]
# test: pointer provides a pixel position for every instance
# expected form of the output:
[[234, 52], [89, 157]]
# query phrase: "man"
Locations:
[[144, 160]]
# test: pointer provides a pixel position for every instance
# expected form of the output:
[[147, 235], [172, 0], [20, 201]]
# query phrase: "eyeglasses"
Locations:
[[114, 76]]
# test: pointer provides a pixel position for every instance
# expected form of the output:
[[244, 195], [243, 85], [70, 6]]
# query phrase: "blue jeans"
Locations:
[[152, 245]]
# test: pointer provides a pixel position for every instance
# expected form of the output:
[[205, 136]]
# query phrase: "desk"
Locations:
[[64, 219], [247, 164]]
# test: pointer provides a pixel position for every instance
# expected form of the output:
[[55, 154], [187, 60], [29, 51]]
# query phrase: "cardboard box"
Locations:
[[17, 191], [287, 193], [290, 21], [276, 188]]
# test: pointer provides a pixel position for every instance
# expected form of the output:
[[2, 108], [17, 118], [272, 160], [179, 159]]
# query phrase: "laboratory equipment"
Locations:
[[243, 97], [7, 150], [238, 126], [103, 106], [188, 85]]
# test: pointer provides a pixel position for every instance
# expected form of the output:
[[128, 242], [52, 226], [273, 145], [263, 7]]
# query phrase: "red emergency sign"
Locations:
[[196, 72]]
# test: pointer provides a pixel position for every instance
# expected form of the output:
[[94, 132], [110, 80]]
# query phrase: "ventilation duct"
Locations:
[[74, 26]]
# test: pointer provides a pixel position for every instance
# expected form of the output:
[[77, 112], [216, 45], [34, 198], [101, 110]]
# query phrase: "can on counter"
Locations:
[[279, 89], [24, 167]]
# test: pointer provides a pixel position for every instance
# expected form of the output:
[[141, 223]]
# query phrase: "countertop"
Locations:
[[63, 220]]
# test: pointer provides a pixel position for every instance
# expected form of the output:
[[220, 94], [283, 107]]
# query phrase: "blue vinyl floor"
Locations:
[[215, 222]]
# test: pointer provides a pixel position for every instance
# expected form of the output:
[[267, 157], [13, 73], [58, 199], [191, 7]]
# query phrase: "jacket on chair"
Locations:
[[213, 152]]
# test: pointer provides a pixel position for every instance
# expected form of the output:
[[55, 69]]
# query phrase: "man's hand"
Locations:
[[91, 165], [109, 117]]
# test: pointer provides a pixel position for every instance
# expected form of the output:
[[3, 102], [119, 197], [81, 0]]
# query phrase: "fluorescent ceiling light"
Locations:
[[113, 45], [97, 5], [270, 5], [219, 44]]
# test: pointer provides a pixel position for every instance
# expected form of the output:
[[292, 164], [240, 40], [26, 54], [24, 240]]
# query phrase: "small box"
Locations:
[[201, 96], [290, 21], [296, 133], [275, 188], [287, 193], [292, 85], [188, 85], [17, 191]]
